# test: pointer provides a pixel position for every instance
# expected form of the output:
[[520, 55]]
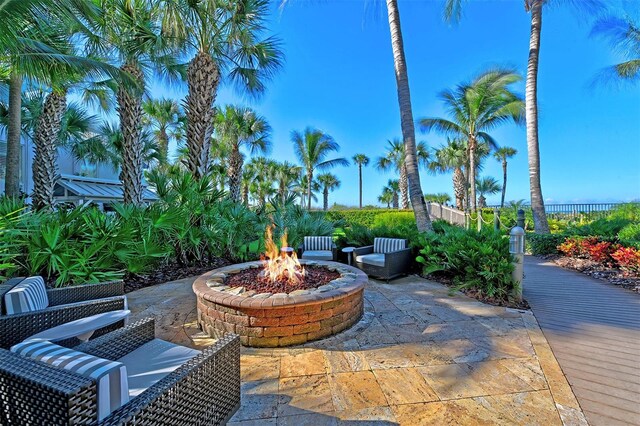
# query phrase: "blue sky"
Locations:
[[339, 77]]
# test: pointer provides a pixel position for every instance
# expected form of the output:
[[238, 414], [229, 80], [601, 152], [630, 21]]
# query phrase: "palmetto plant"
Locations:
[[453, 157], [486, 186], [238, 127], [395, 158], [393, 188], [312, 147], [166, 119], [623, 33], [286, 177], [226, 41], [502, 155], [475, 109], [329, 182], [261, 188], [440, 198], [360, 160], [386, 197]]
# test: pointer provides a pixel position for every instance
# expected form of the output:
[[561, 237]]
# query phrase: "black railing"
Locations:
[[592, 210]]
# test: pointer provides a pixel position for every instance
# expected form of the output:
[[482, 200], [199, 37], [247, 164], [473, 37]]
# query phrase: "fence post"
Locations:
[[496, 219], [479, 213]]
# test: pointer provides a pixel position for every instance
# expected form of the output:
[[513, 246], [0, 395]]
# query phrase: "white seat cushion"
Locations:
[[152, 361], [318, 243], [28, 296], [317, 255], [110, 376], [388, 245], [375, 259]]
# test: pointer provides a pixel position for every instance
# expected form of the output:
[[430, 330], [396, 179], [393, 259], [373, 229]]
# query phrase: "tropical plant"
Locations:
[[360, 160], [395, 158], [286, 176], [486, 186], [238, 127], [261, 187], [386, 197], [440, 198], [166, 119], [225, 41], [312, 147], [329, 182], [453, 157], [623, 33], [393, 187], [476, 108], [502, 155]]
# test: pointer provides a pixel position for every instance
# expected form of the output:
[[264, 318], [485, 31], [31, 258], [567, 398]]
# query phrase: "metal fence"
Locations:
[[573, 211]]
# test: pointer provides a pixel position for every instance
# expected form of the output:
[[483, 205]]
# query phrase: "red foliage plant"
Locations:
[[574, 247], [628, 258]]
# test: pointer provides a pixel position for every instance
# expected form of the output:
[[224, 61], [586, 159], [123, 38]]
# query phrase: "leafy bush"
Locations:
[[574, 247], [628, 258], [364, 217], [628, 211], [543, 244], [631, 232], [395, 219], [474, 260], [608, 228]]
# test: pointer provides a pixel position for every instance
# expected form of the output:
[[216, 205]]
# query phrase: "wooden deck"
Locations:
[[593, 329]]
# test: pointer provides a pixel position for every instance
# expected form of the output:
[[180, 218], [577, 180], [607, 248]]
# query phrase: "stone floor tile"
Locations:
[[494, 378], [259, 422], [309, 419], [527, 408], [257, 367], [528, 370], [395, 318], [405, 333], [515, 345], [373, 416], [300, 395], [392, 356], [470, 411], [259, 400], [303, 364], [451, 381], [341, 361], [464, 350], [571, 416], [424, 317], [404, 386], [375, 335], [427, 353], [447, 313], [560, 389], [503, 326], [356, 390]]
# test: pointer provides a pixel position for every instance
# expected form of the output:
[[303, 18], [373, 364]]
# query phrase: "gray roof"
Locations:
[[71, 187]]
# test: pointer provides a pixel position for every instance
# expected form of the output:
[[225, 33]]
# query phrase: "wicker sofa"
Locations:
[[204, 390], [318, 248], [63, 305], [387, 258]]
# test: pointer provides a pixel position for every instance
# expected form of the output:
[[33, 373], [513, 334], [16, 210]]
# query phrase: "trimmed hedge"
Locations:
[[364, 217], [543, 244]]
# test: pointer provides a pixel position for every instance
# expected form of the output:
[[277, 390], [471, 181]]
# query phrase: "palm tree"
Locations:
[[286, 175], [393, 187], [223, 37], [486, 185], [624, 36], [453, 157], [440, 198], [386, 197], [329, 182], [112, 140], [238, 127], [261, 188], [166, 119], [475, 108], [360, 160], [395, 158], [312, 148], [502, 155]]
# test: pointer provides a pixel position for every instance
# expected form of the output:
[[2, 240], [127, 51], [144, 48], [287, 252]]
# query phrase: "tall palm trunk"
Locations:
[[234, 173], [540, 222], [504, 181], [404, 187], [245, 195], [395, 202], [12, 171], [129, 109], [406, 119], [309, 180], [203, 77], [46, 149], [360, 181], [325, 196], [459, 186], [472, 172], [163, 146]]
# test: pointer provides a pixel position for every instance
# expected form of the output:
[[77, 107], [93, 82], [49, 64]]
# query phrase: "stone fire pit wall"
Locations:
[[282, 319]]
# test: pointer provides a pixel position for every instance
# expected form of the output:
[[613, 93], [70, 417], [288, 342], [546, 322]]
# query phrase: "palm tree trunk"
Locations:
[[309, 180], [129, 109], [360, 180], [163, 146], [395, 201], [406, 119], [325, 197], [404, 187], [234, 173], [245, 195], [203, 78], [504, 181], [472, 172], [459, 187], [541, 226], [46, 149], [12, 171]]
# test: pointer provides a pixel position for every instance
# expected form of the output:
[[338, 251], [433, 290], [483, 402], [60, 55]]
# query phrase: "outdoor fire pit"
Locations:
[[280, 300]]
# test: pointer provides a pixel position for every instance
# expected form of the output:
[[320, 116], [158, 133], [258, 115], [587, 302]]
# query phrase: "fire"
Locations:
[[279, 265]]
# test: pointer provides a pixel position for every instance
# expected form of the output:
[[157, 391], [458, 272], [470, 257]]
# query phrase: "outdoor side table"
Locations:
[[349, 251], [82, 328]]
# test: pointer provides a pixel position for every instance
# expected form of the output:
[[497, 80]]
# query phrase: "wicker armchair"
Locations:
[[65, 304], [387, 258], [203, 390], [318, 248]]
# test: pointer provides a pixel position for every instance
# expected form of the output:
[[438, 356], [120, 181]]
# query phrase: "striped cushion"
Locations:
[[110, 376], [28, 296], [388, 245], [318, 243]]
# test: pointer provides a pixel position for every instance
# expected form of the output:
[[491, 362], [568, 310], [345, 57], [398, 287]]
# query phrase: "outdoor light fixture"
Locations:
[[516, 248]]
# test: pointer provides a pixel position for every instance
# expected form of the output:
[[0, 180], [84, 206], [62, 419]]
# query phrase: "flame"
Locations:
[[278, 265]]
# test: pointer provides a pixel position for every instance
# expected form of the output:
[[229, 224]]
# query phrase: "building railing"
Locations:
[[573, 211]]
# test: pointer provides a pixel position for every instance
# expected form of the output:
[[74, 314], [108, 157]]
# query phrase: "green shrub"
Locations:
[[364, 217], [543, 244], [474, 260], [609, 227], [631, 232], [395, 219], [628, 211]]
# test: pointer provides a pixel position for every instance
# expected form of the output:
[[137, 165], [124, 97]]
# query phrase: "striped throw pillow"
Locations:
[[110, 376], [28, 296], [388, 245], [318, 243]]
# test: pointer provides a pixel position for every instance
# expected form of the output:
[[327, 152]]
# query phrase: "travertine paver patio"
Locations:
[[419, 356]]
